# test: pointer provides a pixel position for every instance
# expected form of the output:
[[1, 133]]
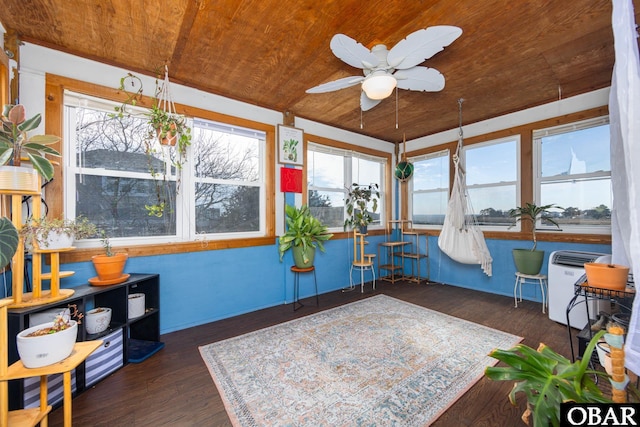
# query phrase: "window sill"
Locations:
[[80, 255]]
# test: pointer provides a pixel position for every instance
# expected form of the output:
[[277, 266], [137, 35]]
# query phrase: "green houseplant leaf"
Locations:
[[531, 213], [8, 241], [303, 229], [547, 379], [16, 145]]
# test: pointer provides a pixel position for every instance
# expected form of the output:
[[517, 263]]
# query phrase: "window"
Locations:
[[331, 171], [429, 188], [492, 171], [228, 178], [116, 172], [574, 171]]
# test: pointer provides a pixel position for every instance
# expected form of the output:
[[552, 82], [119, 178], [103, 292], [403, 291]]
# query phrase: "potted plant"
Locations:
[[49, 343], [548, 379], [304, 233], [357, 202], [167, 127], [56, 233], [529, 261], [16, 146], [109, 266]]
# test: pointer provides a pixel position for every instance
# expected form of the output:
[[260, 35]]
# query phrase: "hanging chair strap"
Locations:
[[461, 238]]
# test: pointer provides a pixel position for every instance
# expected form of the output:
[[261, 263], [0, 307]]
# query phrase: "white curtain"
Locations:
[[624, 112]]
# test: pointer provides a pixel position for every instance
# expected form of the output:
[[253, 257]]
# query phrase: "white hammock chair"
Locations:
[[461, 238]]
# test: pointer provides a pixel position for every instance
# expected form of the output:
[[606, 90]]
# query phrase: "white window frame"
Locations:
[[517, 182], [538, 134], [347, 156], [185, 199], [411, 191]]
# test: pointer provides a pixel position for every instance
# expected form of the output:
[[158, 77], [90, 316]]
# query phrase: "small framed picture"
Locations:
[[290, 145]]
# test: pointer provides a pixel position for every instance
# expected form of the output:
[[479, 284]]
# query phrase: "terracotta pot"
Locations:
[[109, 267], [168, 140], [606, 276]]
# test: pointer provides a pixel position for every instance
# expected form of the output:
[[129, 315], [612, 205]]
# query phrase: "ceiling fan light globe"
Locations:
[[379, 86]]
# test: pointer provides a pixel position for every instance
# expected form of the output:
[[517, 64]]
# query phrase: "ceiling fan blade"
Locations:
[[336, 84], [367, 103], [352, 52], [420, 78], [421, 45]]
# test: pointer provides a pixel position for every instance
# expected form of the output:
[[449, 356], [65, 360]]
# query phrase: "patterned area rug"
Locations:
[[379, 361]]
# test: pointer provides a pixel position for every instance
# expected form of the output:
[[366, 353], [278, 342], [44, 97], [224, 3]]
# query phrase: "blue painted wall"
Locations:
[[202, 287]]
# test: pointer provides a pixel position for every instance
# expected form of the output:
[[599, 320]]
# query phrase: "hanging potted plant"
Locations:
[[359, 197], [304, 233], [167, 127], [16, 146], [56, 233], [109, 266], [529, 261]]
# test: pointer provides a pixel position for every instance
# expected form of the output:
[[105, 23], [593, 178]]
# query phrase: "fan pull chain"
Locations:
[[396, 107], [361, 126]]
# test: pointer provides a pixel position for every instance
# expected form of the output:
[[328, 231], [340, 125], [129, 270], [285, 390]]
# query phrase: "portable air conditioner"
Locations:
[[565, 268]]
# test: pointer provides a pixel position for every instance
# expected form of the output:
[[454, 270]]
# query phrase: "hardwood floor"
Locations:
[[174, 388]]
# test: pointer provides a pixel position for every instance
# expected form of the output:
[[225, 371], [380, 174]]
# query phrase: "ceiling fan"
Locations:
[[385, 69]]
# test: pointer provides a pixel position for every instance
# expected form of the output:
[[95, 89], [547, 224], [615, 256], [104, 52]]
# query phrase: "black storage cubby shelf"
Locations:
[[141, 334]]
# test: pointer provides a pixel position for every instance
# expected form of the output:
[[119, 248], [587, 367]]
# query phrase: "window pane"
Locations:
[[430, 190], [491, 177], [586, 202], [492, 204], [328, 207], [117, 205], [575, 162], [222, 208], [365, 172], [430, 174], [577, 152], [493, 163], [325, 170], [108, 142], [225, 155], [429, 208]]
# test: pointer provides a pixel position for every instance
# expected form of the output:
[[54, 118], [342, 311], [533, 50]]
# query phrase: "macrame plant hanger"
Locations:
[[461, 238], [165, 102]]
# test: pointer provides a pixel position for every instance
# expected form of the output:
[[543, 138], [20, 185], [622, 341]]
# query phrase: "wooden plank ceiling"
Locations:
[[511, 55]]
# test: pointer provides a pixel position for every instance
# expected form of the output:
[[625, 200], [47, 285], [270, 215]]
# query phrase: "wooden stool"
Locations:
[[296, 285], [522, 278]]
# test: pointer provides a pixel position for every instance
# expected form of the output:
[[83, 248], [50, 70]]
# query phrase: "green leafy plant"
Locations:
[[357, 202], [9, 240], [39, 229], [106, 243], [547, 379], [531, 213], [16, 145], [304, 230]]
